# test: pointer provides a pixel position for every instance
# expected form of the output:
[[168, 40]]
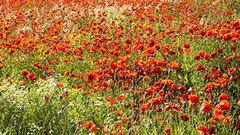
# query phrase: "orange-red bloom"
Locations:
[[59, 84], [200, 68], [88, 124], [205, 107], [185, 117], [167, 131], [1, 65], [91, 77], [194, 99], [227, 121], [119, 112], [186, 45], [174, 65], [203, 130], [223, 96], [24, 72], [32, 77], [238, 126], [224, 105]]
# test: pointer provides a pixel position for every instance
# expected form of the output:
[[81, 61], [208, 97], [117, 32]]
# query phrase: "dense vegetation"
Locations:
[[127, 67]]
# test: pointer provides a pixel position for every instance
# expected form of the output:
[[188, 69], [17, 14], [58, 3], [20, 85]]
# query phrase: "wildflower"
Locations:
[[79, 122], [119, 112], [185, 117], [235, 24], [1, 65], [194, 99], [212, 130], [203, 130], [155, 101], [182, 88], [224, 105], [238, 126], [173, 86], [24, 72], [128, 41], [88, 124], [200, 68], [223, 96], [22, 83], [120, 97], [227, 121], [167, 131], [186, 45], [174, 65], [64, 95], [145, 107], [91, 77], [205, 107], [232, 70], [32, 77], [111, 101], [59, 84], [150, 42]]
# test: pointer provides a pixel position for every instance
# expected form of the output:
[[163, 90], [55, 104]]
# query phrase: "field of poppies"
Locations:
[[136, 67]]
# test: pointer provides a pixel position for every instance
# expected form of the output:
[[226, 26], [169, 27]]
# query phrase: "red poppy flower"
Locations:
[[232, 70], [200, 68], [128, 41], [224, 105], [79, 122], [203, 130], [186, 45], [120, 97], [218, 117], [119, 112], [150, 42], [155, 101], [223, 96], [22, 83], [167, 131], [32, 77], [194, 99], [212, 130], [150, 50], [150, 90], [88, 124], [217, 111], [185, 117], [220, 50], [24, 72], [235, 24], [238, 126], [182, 88], [147, 78], [174, 65], [173, 86], [113, 66], [1, 65], [205, 107], [145, 107], [59, 84], [111, 101], [91, 77], [227, 121], [64, 95]]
